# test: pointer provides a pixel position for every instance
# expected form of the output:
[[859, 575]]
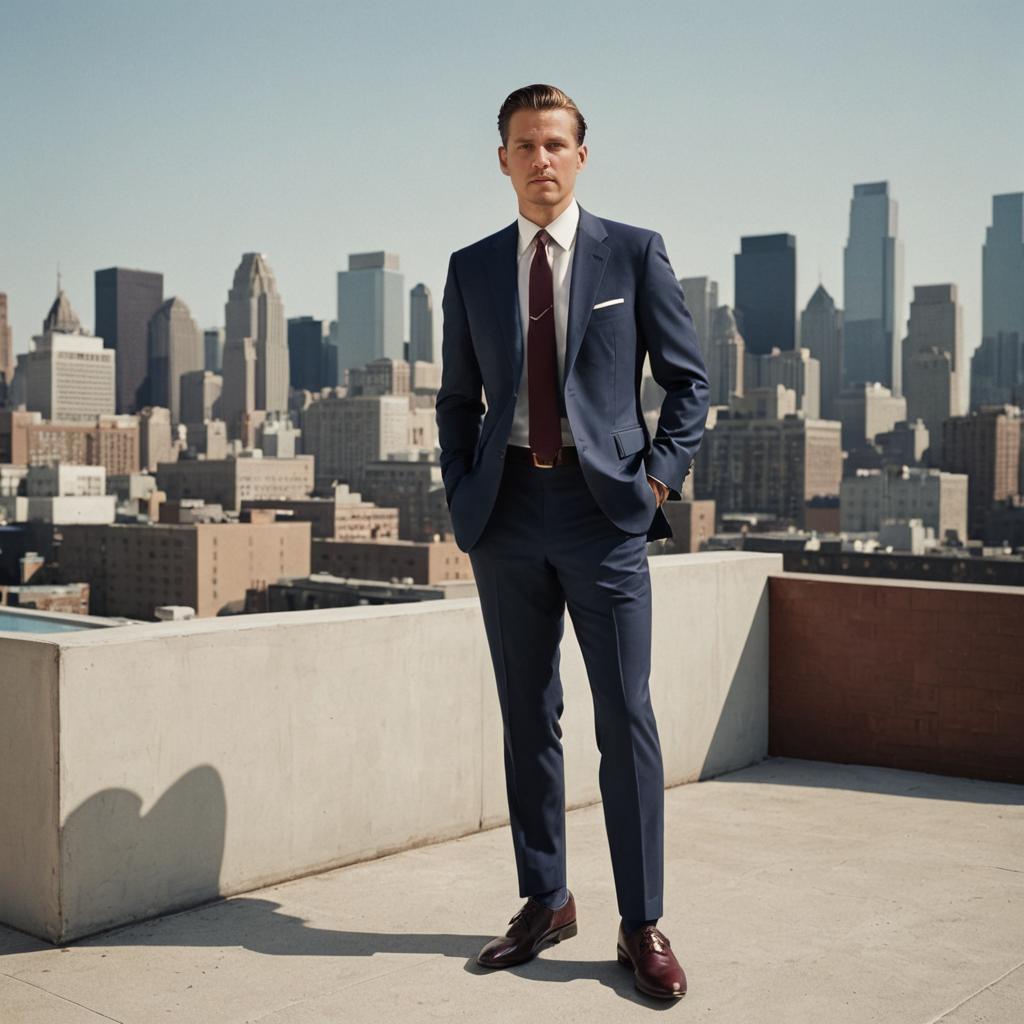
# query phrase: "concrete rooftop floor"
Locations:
[[796, 891]]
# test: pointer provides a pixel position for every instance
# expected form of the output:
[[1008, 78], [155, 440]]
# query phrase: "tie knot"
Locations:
[[542, 238]]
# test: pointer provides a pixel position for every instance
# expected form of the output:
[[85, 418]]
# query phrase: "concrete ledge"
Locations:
[[163, 764]]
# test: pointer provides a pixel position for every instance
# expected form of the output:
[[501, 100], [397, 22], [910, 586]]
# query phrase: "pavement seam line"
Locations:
[[967, 999], [57, 995]]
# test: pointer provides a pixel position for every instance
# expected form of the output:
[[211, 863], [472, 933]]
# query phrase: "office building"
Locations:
[[726, 357], [70, 375], [997, 371], [175, 348], [346, 434], [771, 403], [773, 466], [1002, 273], [255, 347], [766, 293], [866, 411], [794, 369], [125, 303], [135, 568], [200, 396], [156, 438], [701, 296], [345, 515], [421, 325], [307, 353], [213, 349], [422, 562], [227, 482], [821, 332], [936, 326], [873, 290], [986, 445], [371, 294], [111, 441], [410, 481], [903, 493]]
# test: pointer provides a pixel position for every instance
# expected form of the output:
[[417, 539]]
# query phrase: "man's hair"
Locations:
[[538, 97]]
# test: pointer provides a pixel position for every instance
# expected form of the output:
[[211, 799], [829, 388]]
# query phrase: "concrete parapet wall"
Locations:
[[155, 766]]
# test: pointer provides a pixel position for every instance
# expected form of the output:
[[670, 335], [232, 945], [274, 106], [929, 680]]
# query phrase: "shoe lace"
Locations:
[[651, 939], [526, 912]]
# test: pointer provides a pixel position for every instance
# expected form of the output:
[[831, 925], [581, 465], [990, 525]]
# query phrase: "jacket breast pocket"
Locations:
[[629, 441]]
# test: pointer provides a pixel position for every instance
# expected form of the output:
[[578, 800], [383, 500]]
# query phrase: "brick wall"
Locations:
[[922, 676]]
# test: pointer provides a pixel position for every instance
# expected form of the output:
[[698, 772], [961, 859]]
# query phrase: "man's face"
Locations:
[[542, 159]]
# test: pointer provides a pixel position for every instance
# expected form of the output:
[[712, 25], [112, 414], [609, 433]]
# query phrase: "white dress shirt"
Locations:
[[562, 232]]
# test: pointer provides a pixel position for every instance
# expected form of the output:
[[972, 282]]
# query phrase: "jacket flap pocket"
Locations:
[[630, 441]]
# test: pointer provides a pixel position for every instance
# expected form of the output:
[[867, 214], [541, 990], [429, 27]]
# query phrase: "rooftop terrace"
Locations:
[[796, 891], [850, 846]]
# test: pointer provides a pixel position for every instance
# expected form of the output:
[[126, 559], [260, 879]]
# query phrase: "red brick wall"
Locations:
[[925, 677]]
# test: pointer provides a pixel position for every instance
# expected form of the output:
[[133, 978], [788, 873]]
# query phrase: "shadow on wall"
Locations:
[[114, 857], [742, 723]]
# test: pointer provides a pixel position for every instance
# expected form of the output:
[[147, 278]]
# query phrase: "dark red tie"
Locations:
[[542, 358]]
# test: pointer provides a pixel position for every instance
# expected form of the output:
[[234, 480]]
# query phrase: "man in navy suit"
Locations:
[[554, 488]]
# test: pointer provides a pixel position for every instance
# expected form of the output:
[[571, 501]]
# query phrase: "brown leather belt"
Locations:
[[565, 456]]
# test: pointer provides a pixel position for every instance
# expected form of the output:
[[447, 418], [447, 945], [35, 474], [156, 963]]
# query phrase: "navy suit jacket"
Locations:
[[482, 358]]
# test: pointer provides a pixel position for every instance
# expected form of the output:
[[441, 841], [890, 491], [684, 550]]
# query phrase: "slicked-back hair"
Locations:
[[538, 97]]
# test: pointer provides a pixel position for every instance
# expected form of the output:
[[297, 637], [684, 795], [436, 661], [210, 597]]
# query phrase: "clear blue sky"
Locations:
[[175, 136]]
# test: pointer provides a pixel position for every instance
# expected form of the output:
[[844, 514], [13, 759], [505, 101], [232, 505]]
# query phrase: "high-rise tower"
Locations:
[[766, 293], [125, 302], [873, 290], [370, 314], [256, 343], [175, 348], [421, 325]]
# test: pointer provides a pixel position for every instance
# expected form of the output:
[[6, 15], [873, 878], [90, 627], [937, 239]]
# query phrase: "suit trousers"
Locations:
[[548, 545]]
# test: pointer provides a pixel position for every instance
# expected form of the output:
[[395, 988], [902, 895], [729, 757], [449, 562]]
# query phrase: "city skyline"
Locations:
[[742, 139]]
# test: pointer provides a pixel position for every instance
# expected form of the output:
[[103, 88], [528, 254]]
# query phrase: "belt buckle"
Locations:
[[540, 463]]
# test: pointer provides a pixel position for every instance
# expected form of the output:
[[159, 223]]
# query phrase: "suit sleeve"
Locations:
[[458, 407], [677, 365]]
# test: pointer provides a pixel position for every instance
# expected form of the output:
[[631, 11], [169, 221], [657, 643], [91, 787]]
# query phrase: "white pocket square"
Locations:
[[609, 302]]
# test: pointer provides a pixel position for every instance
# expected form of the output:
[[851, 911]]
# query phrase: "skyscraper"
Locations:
[[1002, 268], [256, 345], [370, 313], [821, 330], [766, 292], [935, 325], [725, 357], [306, 353], [213, 349], [872, 290], [6, 345], [421, 325], [175, 348], [125, 302], [701, 300], [71, 374]]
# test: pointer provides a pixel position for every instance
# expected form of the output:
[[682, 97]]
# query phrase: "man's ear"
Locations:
[[583, 156], [503, 160]]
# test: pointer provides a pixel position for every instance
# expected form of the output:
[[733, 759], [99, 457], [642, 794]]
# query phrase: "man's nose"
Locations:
[[541, 158]]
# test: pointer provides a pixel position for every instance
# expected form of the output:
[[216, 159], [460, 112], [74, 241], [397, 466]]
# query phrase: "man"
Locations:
[[554, 490]]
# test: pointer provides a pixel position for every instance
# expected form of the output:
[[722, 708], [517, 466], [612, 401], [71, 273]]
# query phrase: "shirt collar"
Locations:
[[562, 229]]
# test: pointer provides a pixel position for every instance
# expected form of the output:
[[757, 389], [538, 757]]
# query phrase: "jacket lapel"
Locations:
[[588, 266], [502, 278]]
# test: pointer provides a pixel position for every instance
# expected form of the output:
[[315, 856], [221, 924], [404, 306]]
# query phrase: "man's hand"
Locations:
[[660, 490]]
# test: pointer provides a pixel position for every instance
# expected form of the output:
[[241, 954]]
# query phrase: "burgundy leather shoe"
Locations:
[[655, 967], [531, 927]]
